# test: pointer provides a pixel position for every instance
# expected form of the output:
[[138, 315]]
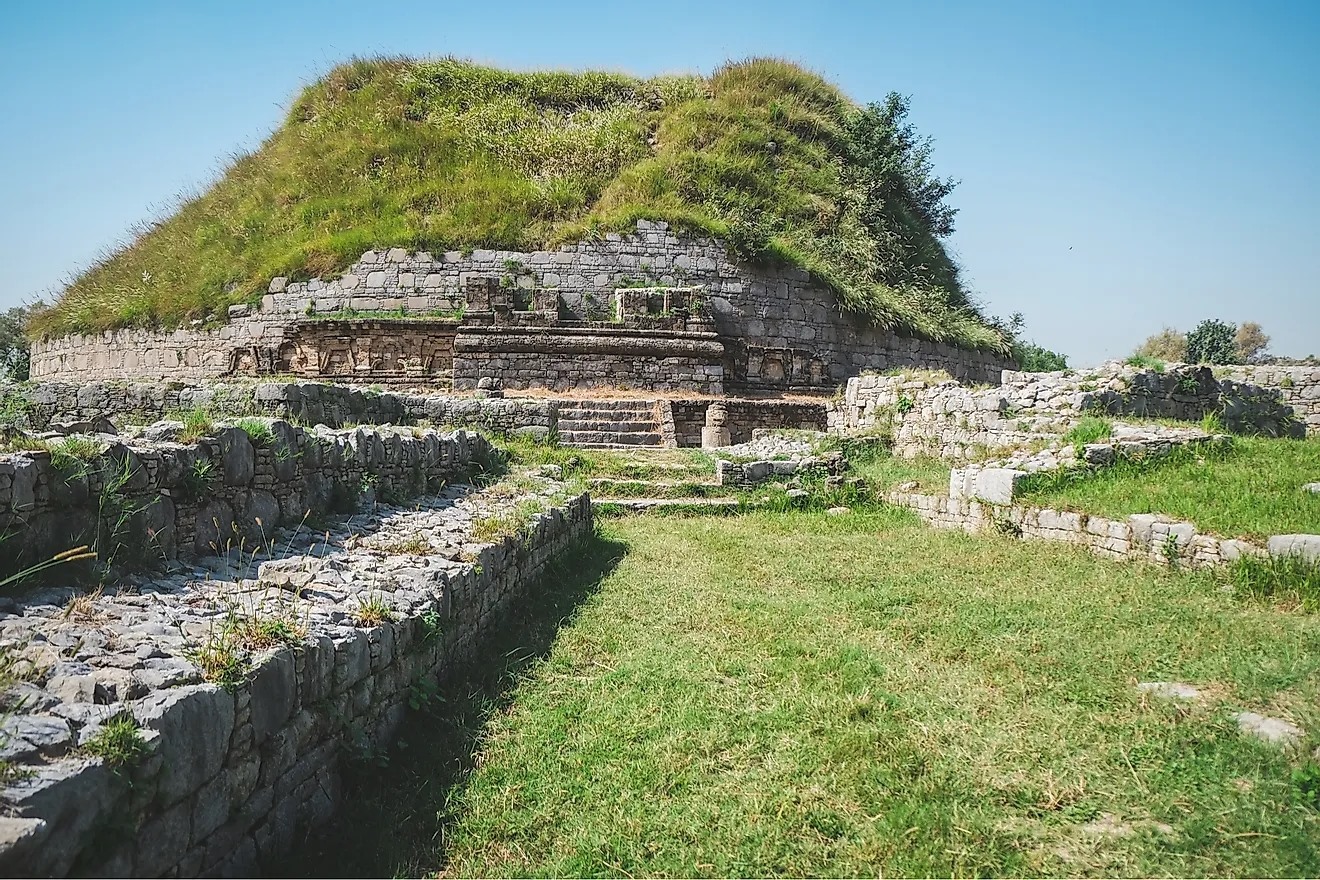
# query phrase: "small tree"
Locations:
[[15, 352], [1251, 342], [1031, 358], [1212, 342], [1167, 345]]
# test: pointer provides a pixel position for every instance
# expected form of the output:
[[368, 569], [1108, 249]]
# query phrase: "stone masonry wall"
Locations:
[[1298, 387], [1143, 536], [234, 777], [48, 403], [744, 417], [928, 416], [141, 501], [562, 359], [785, 331]]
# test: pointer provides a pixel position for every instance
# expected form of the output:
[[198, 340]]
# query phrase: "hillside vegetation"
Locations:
[[446, 155]]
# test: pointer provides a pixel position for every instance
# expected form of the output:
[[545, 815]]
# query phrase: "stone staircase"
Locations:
[[610, 424]]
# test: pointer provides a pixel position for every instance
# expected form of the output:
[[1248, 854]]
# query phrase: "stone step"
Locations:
[[641, 505], [607, 415], [606, 405], [566, 425], [613, 438]]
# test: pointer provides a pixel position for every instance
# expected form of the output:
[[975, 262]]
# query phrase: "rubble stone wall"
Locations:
[[140, 501], [928, 416], [48, 403], [1148, 537], [1297, 386], [233, 778]]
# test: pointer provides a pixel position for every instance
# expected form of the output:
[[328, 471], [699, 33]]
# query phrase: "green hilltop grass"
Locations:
[[446, 155]]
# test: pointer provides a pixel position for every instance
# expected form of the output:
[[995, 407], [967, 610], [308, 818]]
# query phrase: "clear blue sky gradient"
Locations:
[[1124, 165]]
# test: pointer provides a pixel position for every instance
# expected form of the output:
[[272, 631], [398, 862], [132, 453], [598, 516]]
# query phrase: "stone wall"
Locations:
[[782, 330], [745, 474], [232, 778], [567, 359], [1144, 536], [930, 416], [141, 501], [1298, 387], [376, 349], [743, 417], [49, 403]]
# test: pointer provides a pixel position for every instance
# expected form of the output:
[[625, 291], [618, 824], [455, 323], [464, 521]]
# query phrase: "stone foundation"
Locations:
[[233, 777]]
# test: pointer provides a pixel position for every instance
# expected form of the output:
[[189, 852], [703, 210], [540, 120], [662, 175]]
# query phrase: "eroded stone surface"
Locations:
[[1274, 731], [1172, 690]]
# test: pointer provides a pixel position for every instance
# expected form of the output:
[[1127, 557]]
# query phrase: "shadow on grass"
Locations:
[[395, 813]]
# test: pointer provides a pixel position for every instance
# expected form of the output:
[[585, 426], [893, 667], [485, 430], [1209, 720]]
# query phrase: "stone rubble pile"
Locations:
[[930, 415]]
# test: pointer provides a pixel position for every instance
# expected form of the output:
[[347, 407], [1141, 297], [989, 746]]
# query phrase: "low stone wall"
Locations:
[[743, 474], [1143, 536], [50, 403], [1298, 387], [564, 359], [233, 777], [927, 416], [140, 501]]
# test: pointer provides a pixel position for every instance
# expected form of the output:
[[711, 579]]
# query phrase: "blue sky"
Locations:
[[1124, 165]]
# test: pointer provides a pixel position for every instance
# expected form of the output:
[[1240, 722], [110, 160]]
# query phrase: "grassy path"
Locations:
[[802, 694]]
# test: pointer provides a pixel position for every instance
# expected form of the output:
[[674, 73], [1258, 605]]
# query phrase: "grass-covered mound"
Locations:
[[446, 155]]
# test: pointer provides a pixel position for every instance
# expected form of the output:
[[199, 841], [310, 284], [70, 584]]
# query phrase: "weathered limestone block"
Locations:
[[1305, 546]]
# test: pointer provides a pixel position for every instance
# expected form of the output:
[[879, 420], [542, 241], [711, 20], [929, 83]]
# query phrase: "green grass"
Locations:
[[811, 695], [197, 424], [1288, 581], [444, 155], [1089, 429], [886, 472], [118, 742], [1252, 488]]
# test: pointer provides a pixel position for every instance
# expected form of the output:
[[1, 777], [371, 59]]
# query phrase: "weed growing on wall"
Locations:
[[118, 742]]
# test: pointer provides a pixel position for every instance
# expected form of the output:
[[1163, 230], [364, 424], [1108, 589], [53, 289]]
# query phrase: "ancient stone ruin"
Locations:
[[650, 311]]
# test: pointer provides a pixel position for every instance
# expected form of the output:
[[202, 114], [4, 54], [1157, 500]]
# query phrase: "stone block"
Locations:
[[274, 694], [1305, 546], [194, 723], [997, 485]]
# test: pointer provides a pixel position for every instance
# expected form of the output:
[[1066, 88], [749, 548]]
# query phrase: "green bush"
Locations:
[[1212, 342]]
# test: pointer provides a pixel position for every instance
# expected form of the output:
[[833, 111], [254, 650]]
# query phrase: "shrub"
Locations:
[[1212, 342], [1167, 345]]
